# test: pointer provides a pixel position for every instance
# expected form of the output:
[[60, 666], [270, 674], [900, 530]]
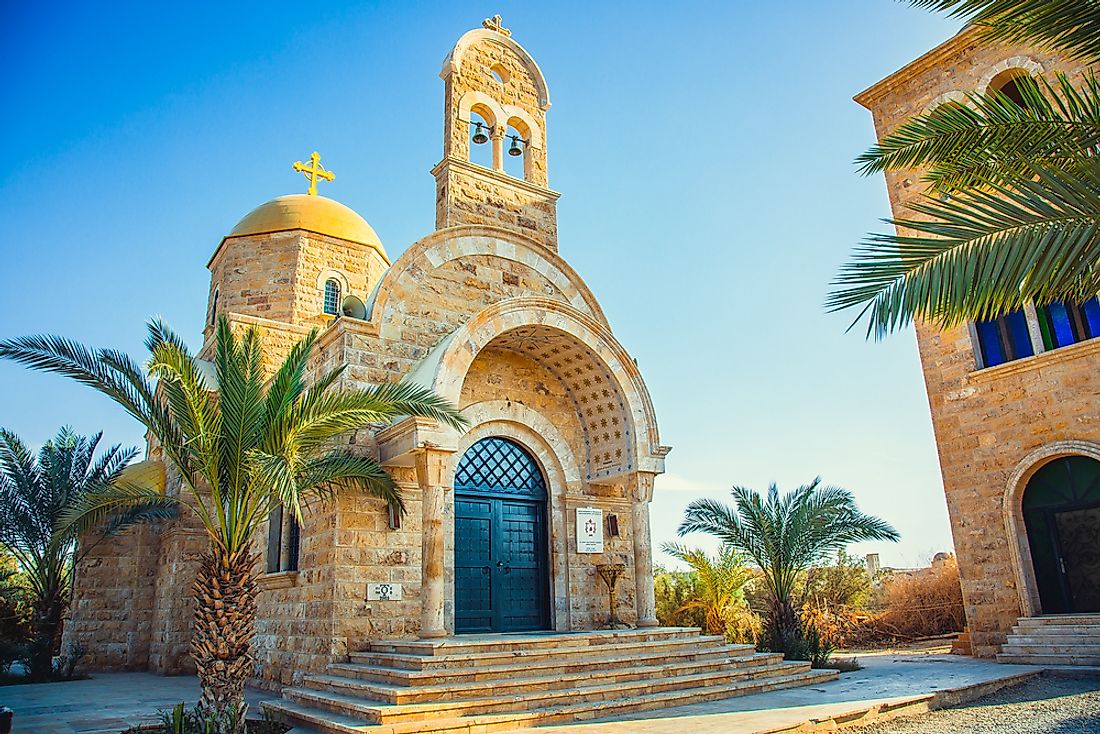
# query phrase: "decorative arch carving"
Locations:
[[453, 62], [1024, 63], [1012, 509], [453, 243], [445, 369], [536, 433]]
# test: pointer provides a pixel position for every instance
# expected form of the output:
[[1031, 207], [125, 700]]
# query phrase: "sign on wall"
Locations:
[[589, 530], [384, 592]]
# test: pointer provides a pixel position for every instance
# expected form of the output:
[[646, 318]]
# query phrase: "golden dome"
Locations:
[[312, 213]]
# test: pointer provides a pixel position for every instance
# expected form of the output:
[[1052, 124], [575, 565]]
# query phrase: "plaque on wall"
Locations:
[[589, 530], [384, 592]]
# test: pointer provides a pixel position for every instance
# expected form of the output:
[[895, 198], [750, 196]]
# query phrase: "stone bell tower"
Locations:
[[488, 74]]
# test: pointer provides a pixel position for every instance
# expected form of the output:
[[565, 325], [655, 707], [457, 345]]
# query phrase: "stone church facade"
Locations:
[[488, 313], [1015, 401]]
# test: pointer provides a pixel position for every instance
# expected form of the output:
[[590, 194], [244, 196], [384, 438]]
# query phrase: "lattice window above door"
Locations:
[[497, 464]]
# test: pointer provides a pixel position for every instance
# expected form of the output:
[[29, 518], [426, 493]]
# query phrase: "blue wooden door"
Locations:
[[501, 578]]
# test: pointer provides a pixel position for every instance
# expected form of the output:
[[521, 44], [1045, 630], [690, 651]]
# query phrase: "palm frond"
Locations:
[[1072, 26], [991, 138], [980, 254], [339, 470]]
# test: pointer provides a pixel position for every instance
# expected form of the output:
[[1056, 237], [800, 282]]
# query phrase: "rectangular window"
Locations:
[[1004, 339], [283, 538], [1062, 324]]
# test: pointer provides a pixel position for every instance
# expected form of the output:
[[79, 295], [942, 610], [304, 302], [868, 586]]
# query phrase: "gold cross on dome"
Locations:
[[314, 172], [495, 24]]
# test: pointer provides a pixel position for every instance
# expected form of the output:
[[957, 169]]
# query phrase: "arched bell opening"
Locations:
[[1061, 512]]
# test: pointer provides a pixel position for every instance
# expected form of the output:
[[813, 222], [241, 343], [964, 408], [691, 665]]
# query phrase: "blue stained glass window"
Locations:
[[1064, 323], [1004, 339], [989, 339], [1091, 309], [332, 296]]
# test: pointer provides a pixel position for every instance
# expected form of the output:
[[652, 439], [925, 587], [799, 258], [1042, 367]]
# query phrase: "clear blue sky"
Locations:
[[703, 152]]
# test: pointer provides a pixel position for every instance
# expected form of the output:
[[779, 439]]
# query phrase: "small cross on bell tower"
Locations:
[[496, 24], [314, 172]]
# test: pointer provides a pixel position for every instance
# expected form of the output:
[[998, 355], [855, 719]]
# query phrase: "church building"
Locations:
[[487, 313], [518, 524], [1015, 407]]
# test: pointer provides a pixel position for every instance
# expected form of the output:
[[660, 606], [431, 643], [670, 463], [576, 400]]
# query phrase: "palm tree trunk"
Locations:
[[46, 626], [785, 628], [221, 642]]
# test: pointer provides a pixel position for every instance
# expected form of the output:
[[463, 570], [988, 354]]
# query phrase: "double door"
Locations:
[[501, 564]]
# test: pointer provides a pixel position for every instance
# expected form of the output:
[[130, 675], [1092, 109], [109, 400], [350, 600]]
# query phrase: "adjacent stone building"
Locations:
[[1015, 401], [485, 311]]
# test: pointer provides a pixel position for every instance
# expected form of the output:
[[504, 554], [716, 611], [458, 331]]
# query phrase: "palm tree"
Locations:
[[1012, 213], [255, 445], [720, 583], [785, 535], [37, 493]]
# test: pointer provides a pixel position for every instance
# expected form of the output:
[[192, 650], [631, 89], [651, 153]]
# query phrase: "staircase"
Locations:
[[1063, 639], [484, 683]]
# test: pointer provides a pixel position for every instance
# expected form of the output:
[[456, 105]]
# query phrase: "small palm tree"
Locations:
[[243, 446], [720, 583], [1012, 213], [36, 494], [785, 535]]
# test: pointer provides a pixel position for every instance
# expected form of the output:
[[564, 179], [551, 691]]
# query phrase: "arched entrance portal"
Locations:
[[501, 547], [1061, 507]]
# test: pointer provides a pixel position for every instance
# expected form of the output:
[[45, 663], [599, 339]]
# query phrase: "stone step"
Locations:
[[337, 723], [548, 667], [484, 659], [1013, 648], [1053, 639], [351, 702], [718, 670], [470, 644], [1065, 659], [1079, 630], [1061, 620]]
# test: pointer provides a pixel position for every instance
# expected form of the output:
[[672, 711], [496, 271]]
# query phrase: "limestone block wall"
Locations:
[[113, 600], [254, 276], [986, 422], [280, 276], [471, 194], [294, 617]]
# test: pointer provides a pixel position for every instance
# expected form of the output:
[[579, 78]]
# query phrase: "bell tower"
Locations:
[[489, 75]]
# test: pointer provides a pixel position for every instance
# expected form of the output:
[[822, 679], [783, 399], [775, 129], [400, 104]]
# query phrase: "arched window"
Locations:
[[1008, 83], [283, 540], [332, 297]]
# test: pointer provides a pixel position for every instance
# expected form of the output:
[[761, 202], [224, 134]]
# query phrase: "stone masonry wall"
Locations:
[[113, 600], [985, 421]]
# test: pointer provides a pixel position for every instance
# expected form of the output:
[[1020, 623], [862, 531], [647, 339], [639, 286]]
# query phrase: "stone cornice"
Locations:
[[970, 35], [1080, 350], [497, 177]]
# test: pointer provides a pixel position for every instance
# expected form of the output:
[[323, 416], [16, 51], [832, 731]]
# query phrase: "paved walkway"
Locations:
[[110, 702], [106, 703], [885, 679]]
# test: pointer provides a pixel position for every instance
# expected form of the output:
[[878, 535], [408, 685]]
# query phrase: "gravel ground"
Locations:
[[1047, 705]]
